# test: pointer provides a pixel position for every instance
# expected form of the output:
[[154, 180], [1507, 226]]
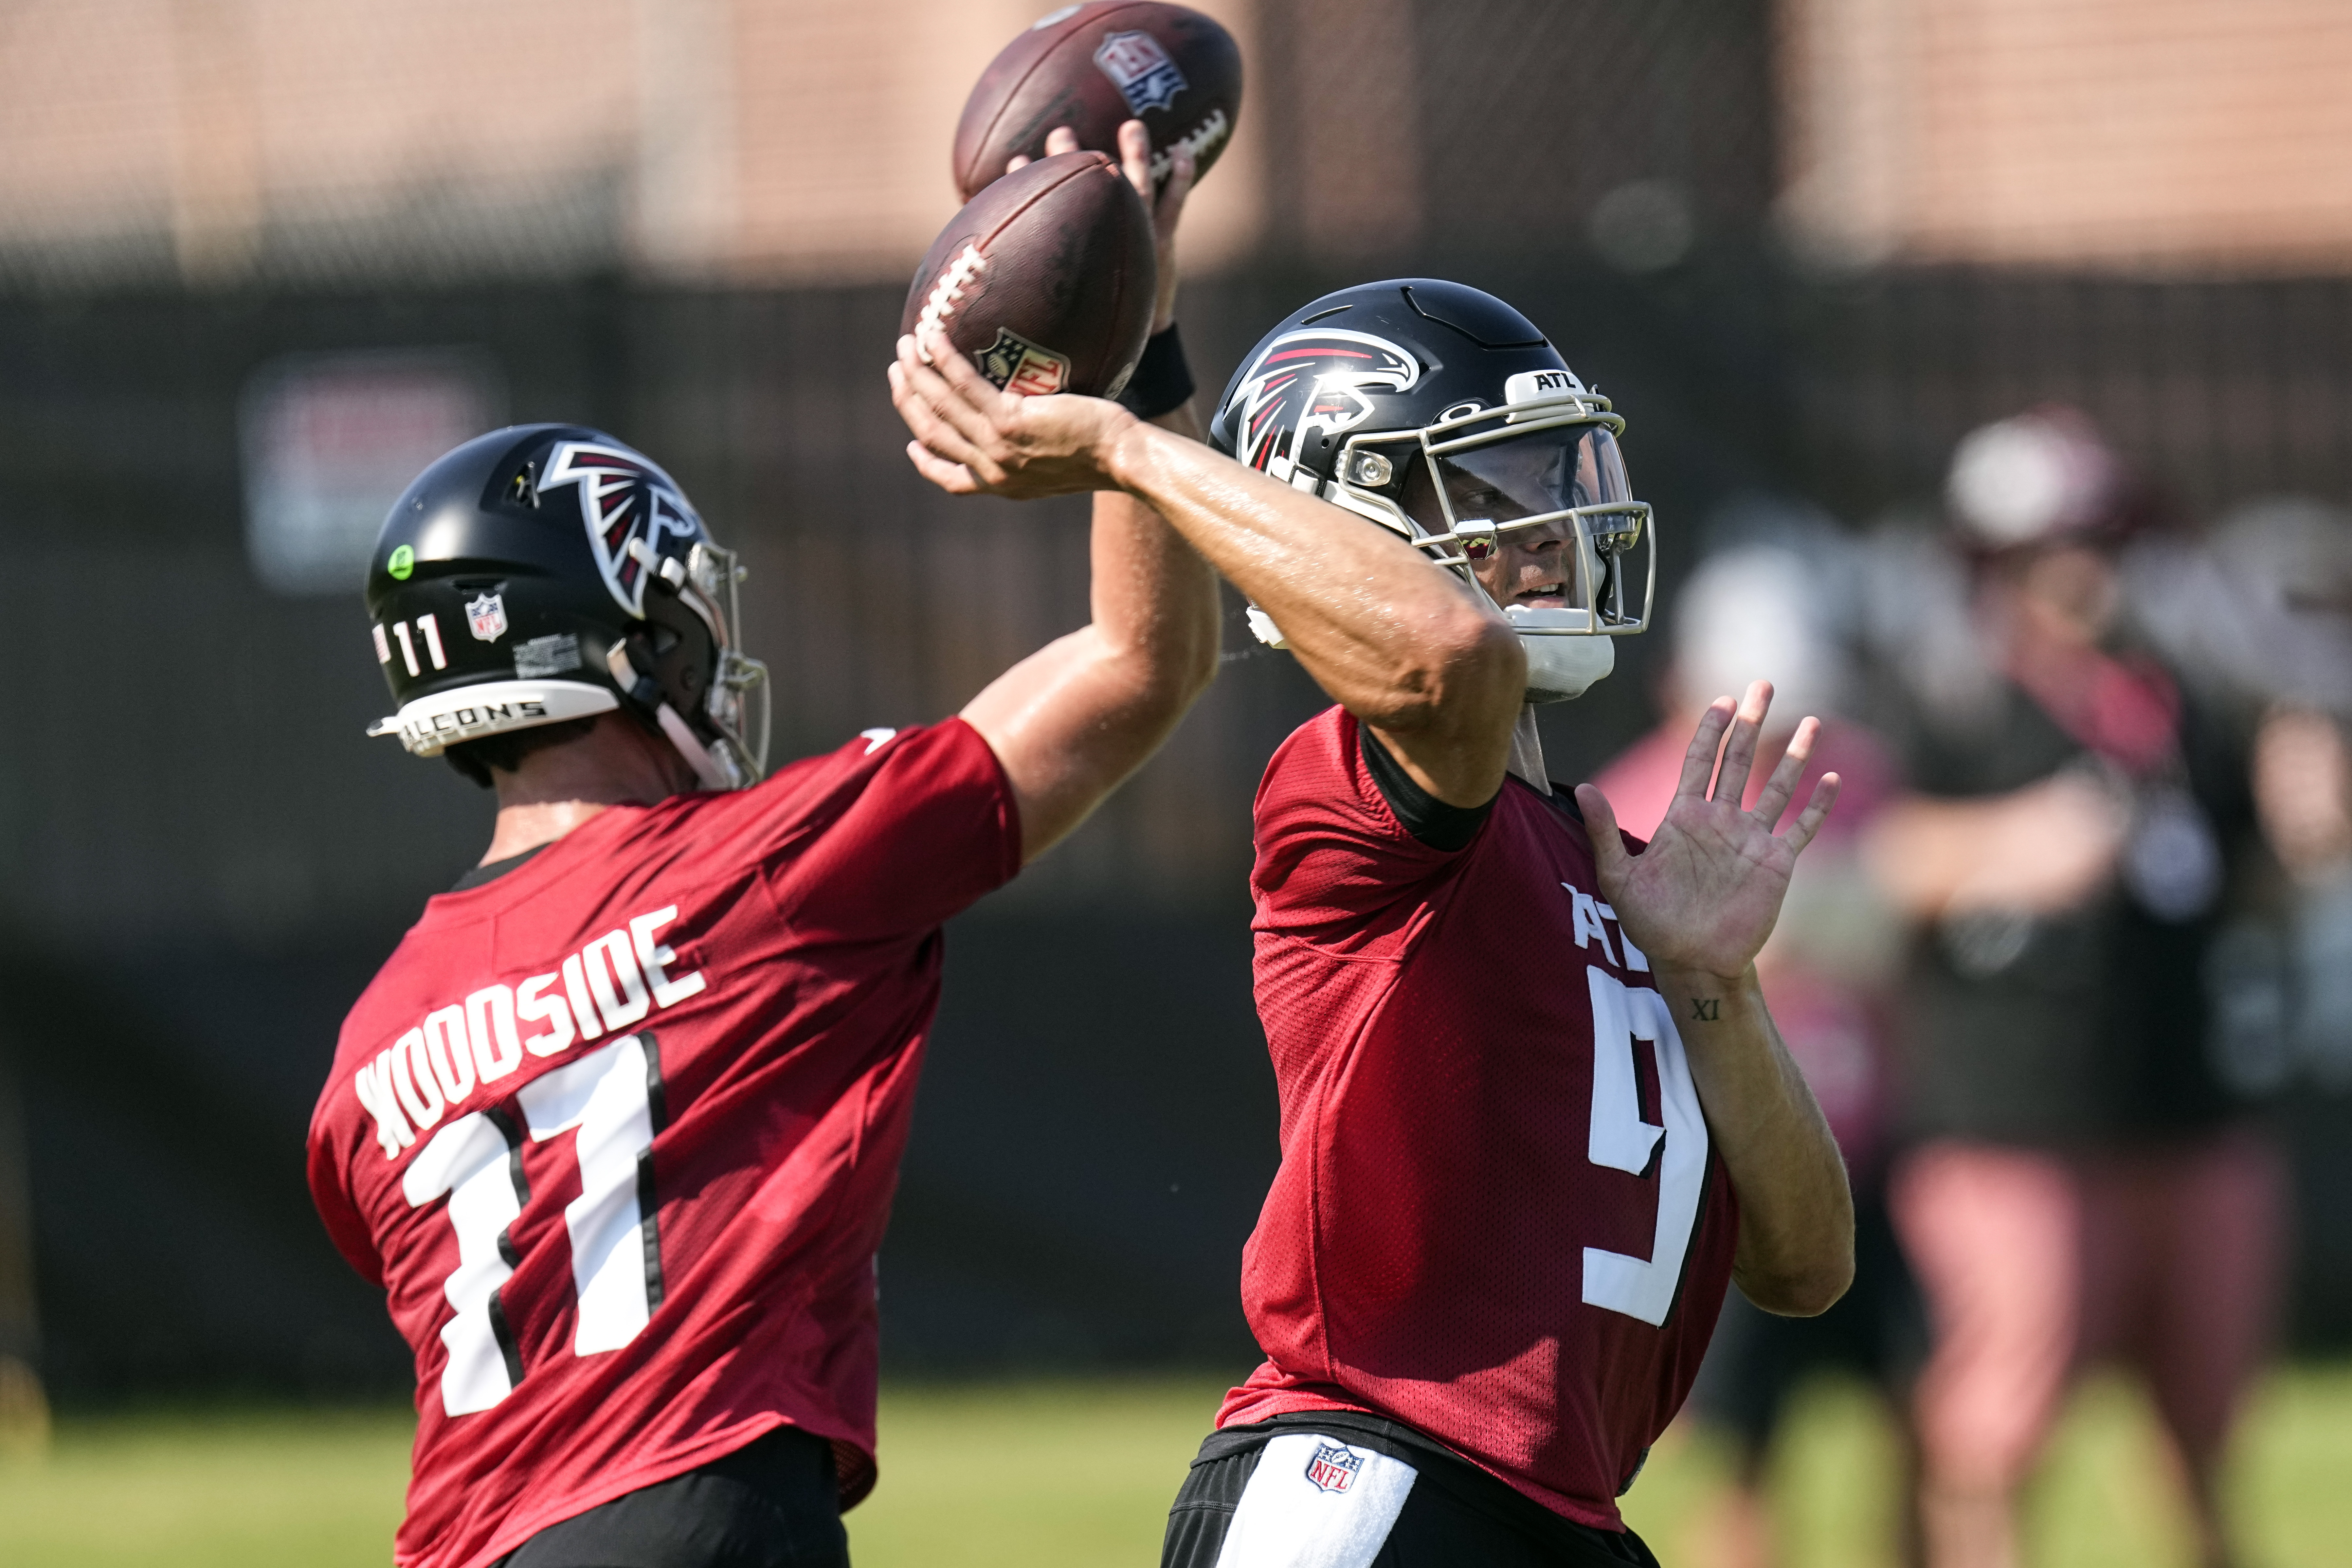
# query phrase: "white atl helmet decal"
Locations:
[[629, 507]]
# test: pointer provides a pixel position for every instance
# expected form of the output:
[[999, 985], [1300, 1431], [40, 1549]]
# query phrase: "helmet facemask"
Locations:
[[1480, 475], [719, 724], [740, 681]]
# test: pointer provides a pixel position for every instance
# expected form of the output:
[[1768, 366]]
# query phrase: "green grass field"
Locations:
[[1054, 1474]]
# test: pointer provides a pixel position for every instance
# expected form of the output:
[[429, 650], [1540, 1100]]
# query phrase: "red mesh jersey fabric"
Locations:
[[619, 1131], [1495, 1218]]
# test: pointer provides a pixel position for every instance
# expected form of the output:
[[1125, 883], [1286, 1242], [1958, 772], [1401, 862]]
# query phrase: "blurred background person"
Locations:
[[2082, 1184], [2302, 792], [2259, 617], [1773, 606]]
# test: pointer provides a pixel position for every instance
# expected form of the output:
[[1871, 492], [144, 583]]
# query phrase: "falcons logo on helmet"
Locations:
[[1312, 378], [624, 500]]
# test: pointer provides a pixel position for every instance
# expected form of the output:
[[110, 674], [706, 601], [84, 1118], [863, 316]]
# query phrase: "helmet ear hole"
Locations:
[[1370, 470]]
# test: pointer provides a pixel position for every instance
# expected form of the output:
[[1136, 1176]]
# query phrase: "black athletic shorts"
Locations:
[[773, 1503], [1343, 1490]]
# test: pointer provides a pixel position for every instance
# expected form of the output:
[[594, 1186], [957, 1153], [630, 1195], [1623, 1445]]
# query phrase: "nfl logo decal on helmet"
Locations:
[[1141, 69], [1334, 1467], [487, 617]]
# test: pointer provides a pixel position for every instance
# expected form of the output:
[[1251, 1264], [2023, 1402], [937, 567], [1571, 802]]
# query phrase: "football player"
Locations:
[[616, 1127], [1535, 1116]]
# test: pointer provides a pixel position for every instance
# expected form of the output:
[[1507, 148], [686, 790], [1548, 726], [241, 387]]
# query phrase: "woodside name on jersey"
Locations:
[[609, 985]]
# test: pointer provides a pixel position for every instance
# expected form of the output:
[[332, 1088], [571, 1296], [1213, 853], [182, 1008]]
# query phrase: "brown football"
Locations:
[[1046, 279], [1092, 67]]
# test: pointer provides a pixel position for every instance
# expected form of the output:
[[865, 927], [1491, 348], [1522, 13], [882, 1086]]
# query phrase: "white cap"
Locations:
[[1752, 614], [2040, 475]]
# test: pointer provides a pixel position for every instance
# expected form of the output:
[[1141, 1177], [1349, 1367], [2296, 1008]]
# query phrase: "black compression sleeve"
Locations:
[[1162, 381], [1426, 817]]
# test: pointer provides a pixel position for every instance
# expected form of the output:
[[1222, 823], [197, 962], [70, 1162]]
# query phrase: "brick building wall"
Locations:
[[2207, 135], [799, 141], [737, 141]]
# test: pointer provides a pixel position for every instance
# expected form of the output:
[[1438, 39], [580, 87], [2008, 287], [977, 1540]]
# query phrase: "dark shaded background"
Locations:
[[205, 859]]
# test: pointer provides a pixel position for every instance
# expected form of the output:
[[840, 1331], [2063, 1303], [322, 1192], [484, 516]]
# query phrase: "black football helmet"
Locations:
[[1413, 396], [543, 572]]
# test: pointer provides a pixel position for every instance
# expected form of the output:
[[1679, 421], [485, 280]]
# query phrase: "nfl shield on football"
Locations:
[[1092, 67], [1046, 279]]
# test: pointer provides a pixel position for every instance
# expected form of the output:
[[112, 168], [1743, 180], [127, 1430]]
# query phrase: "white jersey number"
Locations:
[[1621, 1140], [613, 1099]]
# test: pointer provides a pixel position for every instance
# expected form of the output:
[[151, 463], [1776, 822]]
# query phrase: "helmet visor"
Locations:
[[1561, 469], [1563, 479]]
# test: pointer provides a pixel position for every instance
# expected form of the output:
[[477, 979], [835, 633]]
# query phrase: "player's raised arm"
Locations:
[[1406, 647], [1073, 720]]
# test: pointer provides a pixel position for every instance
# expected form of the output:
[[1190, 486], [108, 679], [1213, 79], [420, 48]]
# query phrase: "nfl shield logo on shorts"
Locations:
[[1141, 69], [487, 617], [1334, 1467]]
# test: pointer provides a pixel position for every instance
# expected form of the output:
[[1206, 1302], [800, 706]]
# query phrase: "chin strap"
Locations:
[[708, 769], [1526, 761], [705, 766]]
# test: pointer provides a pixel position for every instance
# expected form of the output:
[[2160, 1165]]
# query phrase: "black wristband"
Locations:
[[1162, 382]]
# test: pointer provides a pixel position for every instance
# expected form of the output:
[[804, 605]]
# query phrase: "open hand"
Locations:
[[973, 438], [1165, 207], [1706, 892]]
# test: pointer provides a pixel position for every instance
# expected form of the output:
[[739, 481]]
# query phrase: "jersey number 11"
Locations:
[[613, 1099]]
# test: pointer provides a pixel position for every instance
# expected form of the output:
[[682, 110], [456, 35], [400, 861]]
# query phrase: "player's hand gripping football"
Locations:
[[1707, 890], [1135, 163], [971, 438]]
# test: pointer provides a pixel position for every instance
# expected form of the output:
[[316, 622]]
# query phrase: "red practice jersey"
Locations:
[[617, 1132], [1497, 1217]]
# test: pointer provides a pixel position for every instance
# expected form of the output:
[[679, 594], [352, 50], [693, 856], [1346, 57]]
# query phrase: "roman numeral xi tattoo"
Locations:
[[1706, 1009]]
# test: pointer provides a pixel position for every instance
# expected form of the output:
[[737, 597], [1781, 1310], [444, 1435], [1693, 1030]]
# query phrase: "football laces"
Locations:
[[941, 301]]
